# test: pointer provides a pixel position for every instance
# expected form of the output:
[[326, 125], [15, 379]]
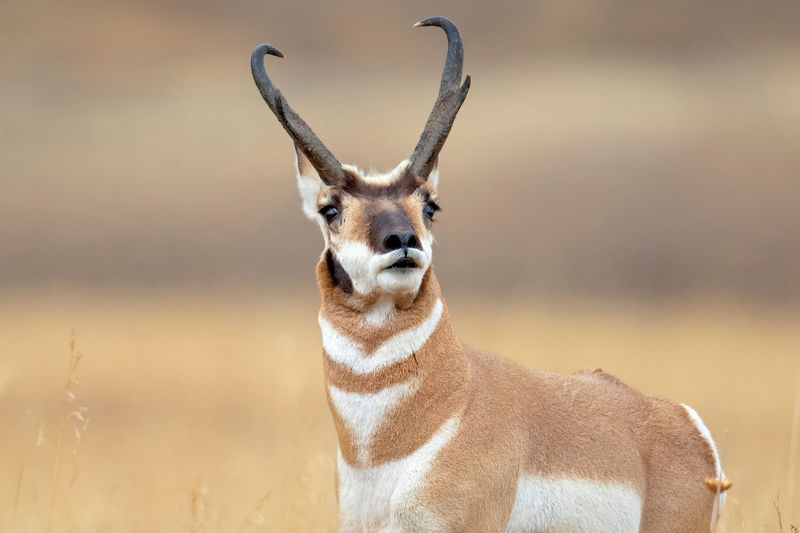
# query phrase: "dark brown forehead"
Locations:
[[404, 185]]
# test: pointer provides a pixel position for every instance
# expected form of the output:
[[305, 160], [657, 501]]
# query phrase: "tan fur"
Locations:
[[356, 223], [514, 421]]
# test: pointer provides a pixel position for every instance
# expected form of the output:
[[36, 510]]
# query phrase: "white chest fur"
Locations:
[[384, 497]]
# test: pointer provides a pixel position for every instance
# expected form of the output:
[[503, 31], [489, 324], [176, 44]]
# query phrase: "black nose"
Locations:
[[400, 240]]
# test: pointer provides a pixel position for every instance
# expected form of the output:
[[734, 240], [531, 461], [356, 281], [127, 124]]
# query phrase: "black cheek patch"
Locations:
[[338, 274]]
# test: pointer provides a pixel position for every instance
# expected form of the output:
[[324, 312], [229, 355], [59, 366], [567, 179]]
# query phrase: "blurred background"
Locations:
[[621, 188]]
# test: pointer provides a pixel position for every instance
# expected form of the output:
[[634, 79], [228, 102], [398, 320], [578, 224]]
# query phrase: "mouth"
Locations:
[[405, 262]]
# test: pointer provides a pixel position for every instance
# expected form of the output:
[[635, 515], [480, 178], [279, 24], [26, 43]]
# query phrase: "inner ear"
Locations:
[[433, 177], [308, 183], [302, 164]]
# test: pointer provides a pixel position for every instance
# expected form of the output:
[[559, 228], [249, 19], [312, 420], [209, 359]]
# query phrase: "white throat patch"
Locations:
[[343, 350]]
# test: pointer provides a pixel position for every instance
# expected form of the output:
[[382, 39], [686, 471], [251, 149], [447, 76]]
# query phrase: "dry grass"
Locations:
[[208, 412]]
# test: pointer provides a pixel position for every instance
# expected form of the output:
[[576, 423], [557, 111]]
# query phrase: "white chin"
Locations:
[[400, 280]]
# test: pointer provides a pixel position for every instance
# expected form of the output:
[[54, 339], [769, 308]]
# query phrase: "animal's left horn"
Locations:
[[326, 164], [451, 95]]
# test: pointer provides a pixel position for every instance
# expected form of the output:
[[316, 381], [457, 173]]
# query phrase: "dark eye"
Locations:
[[429, 210], [330, 213]]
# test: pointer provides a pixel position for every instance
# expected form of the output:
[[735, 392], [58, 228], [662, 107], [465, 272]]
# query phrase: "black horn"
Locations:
[[451, 95], [327, 166]]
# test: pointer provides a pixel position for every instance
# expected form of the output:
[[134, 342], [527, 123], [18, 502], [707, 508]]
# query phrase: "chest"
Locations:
[[375, 497]]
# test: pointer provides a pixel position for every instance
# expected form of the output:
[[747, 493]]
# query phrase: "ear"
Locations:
[[433, 177], [308, 183]]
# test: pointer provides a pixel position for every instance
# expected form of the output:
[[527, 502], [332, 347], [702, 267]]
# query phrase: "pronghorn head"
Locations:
[[377, 227]]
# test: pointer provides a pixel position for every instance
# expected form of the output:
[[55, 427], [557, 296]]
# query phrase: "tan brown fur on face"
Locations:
[[361, 202], [355, 220]]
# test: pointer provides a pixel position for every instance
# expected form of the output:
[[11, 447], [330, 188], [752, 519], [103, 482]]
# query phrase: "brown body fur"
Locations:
[[587, 425]]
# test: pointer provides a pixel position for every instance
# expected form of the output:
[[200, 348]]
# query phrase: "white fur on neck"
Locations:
[[379, 313], [343, 350], [365, 413]]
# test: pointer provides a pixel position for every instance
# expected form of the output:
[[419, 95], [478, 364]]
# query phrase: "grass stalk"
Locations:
[[794, 452], [69, 414]]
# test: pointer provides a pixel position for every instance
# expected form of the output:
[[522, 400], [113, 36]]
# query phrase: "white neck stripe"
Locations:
[[343, 350], [364, 414]]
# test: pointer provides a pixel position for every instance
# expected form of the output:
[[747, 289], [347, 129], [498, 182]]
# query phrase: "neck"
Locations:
[[394, 370]]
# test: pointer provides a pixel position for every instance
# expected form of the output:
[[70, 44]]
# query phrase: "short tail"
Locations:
[[717, 485]]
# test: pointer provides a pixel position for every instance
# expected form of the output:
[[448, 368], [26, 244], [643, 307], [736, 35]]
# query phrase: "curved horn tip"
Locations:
[[267, 49], [433, 21]]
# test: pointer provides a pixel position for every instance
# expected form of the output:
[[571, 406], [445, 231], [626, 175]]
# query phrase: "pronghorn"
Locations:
[[437, 436]]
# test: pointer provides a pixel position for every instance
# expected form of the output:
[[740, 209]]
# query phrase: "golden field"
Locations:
[[206, 412]]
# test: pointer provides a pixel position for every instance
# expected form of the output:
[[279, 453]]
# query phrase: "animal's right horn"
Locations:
[[327, 166], [451, 95]]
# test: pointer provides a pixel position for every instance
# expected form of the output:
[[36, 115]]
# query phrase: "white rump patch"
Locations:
[[384, 496], [579, 505], [343, 350], [706, 434], [364, 413]]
